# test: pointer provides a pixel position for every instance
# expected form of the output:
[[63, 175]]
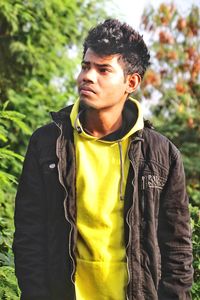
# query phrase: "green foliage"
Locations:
[[172, 85], [8, 285], [8, 158], [176, 79], [195, 214], [6, 228]]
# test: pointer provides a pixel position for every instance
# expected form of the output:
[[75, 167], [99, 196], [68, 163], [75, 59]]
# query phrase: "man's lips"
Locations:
[[85, 89]]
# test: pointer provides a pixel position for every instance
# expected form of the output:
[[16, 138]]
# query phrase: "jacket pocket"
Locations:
[[150, 192], [53, 191]]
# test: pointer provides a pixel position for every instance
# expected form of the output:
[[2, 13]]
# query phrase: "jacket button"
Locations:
[[52, 166]]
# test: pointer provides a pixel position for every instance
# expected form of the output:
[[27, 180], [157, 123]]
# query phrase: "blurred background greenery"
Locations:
[[40, 50]]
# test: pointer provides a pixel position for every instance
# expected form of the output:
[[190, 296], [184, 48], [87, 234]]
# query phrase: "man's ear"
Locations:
[[133, 81]]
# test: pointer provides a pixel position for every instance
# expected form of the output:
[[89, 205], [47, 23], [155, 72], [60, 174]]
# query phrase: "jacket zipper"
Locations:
[[130, 230], [142, 198], [127, 221], [143, 207], [65, 204], [127, 259]]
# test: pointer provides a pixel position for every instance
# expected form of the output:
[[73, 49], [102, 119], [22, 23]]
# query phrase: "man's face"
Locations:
[[101, 82]]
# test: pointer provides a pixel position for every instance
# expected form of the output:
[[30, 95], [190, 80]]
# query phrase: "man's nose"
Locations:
[[90, 75]]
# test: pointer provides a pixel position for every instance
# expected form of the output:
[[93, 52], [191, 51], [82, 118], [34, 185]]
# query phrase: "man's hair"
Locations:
[[114, 37]]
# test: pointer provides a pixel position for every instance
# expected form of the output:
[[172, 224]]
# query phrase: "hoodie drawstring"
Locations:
[[121, 170]]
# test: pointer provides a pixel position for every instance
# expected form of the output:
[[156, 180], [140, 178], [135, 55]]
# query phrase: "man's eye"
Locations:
[[84, 67], [104, 70]]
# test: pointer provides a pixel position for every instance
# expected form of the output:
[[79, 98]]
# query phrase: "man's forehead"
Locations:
[[92, 57]]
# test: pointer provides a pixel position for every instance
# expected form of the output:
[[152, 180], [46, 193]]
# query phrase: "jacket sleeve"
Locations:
[[174, 236], [29, 245]]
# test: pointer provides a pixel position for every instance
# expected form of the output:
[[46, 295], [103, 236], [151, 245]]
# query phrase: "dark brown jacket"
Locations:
[[156, 218]]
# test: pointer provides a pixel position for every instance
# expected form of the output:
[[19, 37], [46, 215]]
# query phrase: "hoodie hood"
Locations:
[[132, 117]]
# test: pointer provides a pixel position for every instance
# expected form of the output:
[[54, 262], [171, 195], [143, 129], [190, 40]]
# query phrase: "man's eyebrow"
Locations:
[[85, 62]]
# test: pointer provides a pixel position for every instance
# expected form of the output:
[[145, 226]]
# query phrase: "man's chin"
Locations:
[[85, 104]]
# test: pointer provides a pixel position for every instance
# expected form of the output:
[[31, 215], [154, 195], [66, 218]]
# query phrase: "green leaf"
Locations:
[[6, 153]]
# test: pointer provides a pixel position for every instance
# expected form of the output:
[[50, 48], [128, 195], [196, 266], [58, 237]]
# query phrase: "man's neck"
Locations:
[[101, 123]]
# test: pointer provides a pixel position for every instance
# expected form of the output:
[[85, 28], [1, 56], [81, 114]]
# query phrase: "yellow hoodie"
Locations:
[[102, 168]]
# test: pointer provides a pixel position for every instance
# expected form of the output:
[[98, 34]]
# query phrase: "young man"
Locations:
[[101, 209]]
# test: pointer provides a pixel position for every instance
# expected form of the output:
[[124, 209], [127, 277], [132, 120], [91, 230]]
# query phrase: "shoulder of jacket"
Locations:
[[157, 142], [44, 131], [48, 134], [60, 116], [44, 137]]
